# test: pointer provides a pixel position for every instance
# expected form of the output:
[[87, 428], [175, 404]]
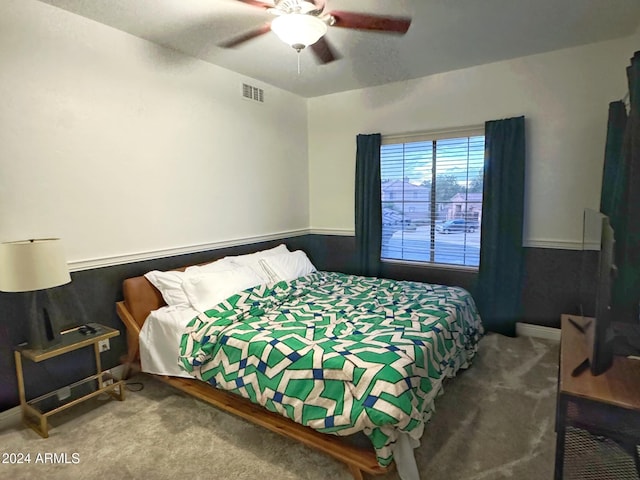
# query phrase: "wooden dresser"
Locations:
[[597, 417]]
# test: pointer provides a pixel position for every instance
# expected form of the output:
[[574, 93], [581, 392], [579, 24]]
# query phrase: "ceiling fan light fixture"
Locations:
[[299, 30]]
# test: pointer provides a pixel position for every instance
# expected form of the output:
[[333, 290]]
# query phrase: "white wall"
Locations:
[[121, 147], [564, 96]]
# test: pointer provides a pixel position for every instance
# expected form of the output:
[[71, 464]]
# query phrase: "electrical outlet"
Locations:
[[103, 345]]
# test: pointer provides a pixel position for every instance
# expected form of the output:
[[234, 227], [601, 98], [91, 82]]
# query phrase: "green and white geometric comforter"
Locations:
[[338, 353]]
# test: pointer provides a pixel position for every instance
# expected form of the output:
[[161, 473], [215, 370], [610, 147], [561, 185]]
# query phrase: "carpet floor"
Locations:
[[494, 421]]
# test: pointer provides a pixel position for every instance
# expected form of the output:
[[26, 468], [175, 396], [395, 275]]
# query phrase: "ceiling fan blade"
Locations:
[[364, 21], [256, 32], [323, 51], [256, 3]]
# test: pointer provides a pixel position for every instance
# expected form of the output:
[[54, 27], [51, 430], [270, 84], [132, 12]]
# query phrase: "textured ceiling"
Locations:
[[444, 35]]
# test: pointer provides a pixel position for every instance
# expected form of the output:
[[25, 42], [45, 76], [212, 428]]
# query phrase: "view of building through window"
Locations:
[[432, 200]]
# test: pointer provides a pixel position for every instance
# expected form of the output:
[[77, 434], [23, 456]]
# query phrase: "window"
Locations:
[[431, 189]]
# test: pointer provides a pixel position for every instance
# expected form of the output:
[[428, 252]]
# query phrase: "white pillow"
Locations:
[[206, 290], [170, 283], [251, 259], [222, 265], [288, 266], [170, 286]]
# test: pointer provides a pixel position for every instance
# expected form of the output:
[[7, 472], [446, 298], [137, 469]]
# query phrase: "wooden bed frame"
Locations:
[[141, 297]]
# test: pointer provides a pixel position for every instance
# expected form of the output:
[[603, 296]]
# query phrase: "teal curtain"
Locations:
[[368, 209], [620, 198], [499, 288]]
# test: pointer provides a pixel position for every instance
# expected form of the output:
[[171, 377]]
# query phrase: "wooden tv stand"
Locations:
[[597, 417]]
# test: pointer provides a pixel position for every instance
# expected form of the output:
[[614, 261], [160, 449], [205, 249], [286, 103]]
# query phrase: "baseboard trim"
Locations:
[[537, 331], [10, 418]]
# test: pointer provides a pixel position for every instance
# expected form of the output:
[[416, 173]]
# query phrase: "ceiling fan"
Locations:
[[304, 23]]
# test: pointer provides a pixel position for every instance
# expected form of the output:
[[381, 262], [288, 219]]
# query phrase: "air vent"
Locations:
[[252, 93]]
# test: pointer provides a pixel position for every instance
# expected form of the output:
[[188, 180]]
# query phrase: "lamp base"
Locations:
[[42, 329]]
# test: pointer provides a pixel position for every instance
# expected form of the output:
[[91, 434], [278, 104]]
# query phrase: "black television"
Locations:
[[607, 333], [598, 273]]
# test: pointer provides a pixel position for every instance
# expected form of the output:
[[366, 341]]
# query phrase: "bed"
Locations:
[[316, 356]]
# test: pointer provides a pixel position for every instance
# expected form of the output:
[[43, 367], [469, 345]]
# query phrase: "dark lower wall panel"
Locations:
[[333, 253], [338, 253], [551, 288], [552, 285], [441, 276], [90, 297]]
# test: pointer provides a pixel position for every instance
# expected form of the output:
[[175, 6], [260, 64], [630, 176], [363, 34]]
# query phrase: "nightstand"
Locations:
[[35, 412]]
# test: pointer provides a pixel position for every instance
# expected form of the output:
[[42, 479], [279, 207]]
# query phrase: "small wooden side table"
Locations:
[[36, 411], [597, 417]]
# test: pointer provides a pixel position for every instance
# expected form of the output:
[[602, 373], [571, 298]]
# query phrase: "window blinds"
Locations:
[[432, 197]]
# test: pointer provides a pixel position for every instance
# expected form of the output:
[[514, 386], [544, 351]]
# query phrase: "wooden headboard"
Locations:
[[141, 298]]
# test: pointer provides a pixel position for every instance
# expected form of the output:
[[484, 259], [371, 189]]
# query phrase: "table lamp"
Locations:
[[34, 266]]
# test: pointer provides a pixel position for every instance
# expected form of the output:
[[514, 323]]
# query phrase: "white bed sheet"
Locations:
[[160, 340]]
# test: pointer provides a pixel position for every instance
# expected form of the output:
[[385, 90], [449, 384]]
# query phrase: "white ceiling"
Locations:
[[444, 35]]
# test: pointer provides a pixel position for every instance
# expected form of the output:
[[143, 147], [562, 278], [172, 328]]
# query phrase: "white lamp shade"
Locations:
[[298, 30], [30, 265]]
